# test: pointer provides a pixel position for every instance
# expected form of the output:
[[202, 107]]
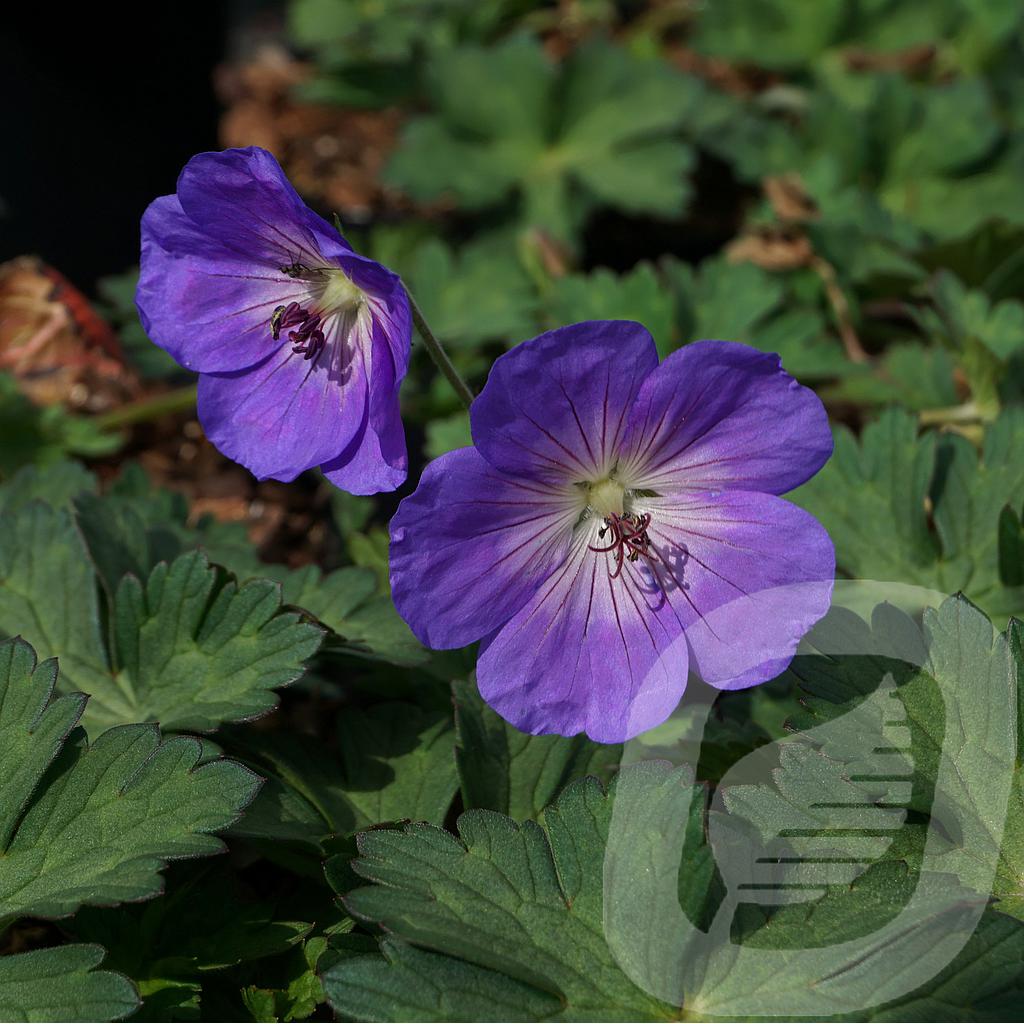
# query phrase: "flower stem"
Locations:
[[966, 413], [438, 354], [840, 309], [178, 400]]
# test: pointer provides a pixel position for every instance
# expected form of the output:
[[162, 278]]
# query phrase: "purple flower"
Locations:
[[617, 523], [301, 343]]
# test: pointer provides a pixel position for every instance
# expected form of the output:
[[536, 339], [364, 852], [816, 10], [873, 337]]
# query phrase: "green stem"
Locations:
[[438, 354], [966, 413], [179, 400]]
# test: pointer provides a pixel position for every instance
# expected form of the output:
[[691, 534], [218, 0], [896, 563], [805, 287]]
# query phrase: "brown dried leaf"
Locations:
[[790, 201], [772, 249], [731, 78], [55, 344], [910, 61]]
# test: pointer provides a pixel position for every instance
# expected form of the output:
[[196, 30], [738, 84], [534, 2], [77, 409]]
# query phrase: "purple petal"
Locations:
[[392, 319], [289, 414], [208, 307], [589, 653], [243, 200], [718, 414], [756, 573], [556, 407], [372, 463], [471, 546], [376, 460]]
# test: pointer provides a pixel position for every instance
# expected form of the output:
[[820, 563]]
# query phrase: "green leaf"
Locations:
[[600, 129], [463, 84], [44, 435], [915, 376], [55, 485], [370, 550], [1011, 548], [349, 603], [801, 338], [871, 499], [100, 822], [205, 922], [133, 527], [347, 31], [956, 648], [502, 769], [396, 763], [891, 163], [1009, 885], [984, 335], [959, 635], [193, 649], [769, 33], [833, 799], [820, 771], [984, 982], [475, 294], [190, 649], [120, 539], [304, 799], [519, 900], [61, 985], [955, 128], [447, 434], [723, 300], [48, 594], [643, 178], [969, 494], [477, 176], [407, 983], [603, 295], [33, 728], [295, 996], [507, 904], [167, 999]]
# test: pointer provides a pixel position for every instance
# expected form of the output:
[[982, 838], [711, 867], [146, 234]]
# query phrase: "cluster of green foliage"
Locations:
[[836, 181], [333, 840]]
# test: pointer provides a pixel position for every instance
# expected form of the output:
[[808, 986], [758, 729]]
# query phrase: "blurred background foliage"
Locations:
[[837, 181]]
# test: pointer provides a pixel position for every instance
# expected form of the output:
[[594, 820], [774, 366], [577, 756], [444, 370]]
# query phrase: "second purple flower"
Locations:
[[300, 342], [617, 523]]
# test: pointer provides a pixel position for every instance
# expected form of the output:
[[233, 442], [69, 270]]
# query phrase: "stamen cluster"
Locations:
[[629, 538], [309, 338]]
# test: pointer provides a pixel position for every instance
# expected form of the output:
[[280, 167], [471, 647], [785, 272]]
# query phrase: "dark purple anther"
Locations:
[[308, 338]]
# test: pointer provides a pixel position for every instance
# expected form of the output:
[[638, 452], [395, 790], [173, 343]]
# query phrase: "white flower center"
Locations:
[[339, 294], [605, 497]]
